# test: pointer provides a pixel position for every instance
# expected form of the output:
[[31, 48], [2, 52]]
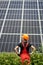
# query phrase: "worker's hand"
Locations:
[[33, 49], [18, 53], [32, 52]]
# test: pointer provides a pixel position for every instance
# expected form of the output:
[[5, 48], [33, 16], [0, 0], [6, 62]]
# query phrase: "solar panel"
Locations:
[[16, 4], [8, 42], [14, 14], [42, 25], [30, 14], [3, 4], [12, 27], [41, 14], [2, 14], [41, 5], [31, 27], [18, 17], [30, 5], [1, 22]]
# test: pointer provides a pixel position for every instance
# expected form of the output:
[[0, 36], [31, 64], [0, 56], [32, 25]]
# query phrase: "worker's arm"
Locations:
[[33, 48], [15, 49]]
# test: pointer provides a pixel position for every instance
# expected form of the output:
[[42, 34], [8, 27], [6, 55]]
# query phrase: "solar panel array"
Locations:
[[18, 17]]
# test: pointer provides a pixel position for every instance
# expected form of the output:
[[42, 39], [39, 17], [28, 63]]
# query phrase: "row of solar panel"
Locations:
[[18, 4], [15, 26], [9, 47], [17, 14], [18, 23], [8, 42], [16, 39]]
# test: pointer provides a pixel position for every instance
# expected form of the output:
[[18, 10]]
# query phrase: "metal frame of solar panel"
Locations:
[[18, 17]]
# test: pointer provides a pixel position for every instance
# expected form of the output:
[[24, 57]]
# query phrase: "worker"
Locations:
[[25, 46]]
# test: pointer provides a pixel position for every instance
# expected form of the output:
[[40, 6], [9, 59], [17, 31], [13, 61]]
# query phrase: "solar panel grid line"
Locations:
[[10, 33], [40, 25], [25, 0], [5, 18], [21, 9], [1, 19], [18, 9], [11, 0], [19, 34], [20, 0], [3, 8], [39, 20], [37, 31], [22, 19], [4, 0]]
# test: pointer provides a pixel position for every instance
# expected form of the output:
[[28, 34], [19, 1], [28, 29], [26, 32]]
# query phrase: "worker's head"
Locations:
[[25, 37]]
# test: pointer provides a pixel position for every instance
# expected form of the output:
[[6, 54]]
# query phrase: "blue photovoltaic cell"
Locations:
[[2, 14], [3, 4], [8, 42], [30, 14], [14, 14], [42, 25], [35, 39], [41, 5], [1, 22], [12, 27], [15, 4], [30, 5], [31, 27], [41, 14]]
